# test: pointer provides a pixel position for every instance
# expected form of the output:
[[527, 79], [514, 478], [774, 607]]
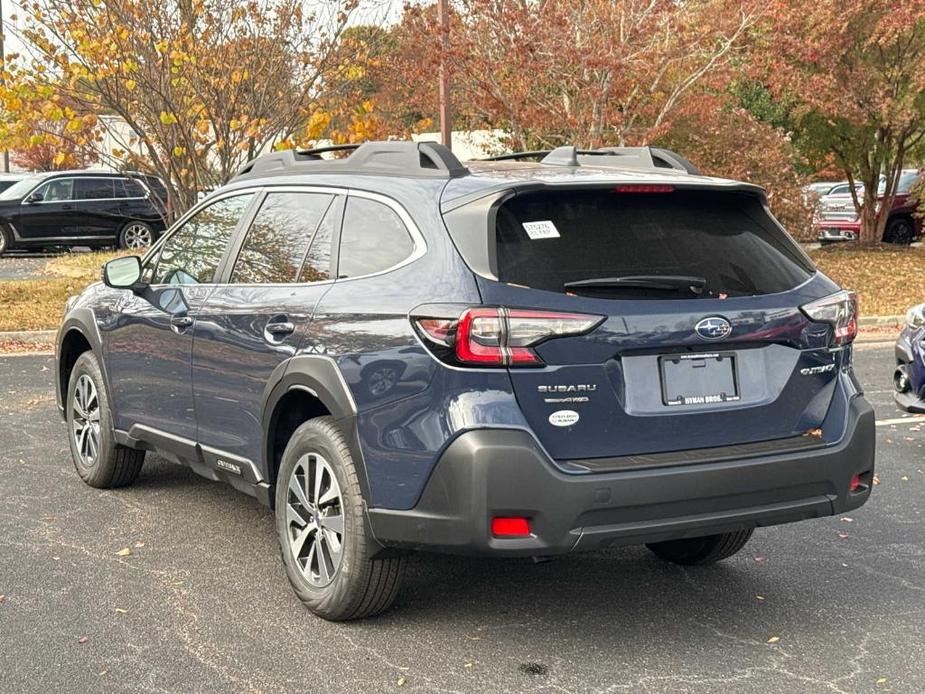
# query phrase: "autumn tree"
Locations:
[[204, 85], [853, 76], [44, 131], [598, 72]]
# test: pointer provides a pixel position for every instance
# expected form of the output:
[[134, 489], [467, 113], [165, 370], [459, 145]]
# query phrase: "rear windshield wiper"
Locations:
[[668, 283]]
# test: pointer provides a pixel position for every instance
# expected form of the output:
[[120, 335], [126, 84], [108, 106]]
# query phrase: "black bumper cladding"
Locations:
[[500, 473]]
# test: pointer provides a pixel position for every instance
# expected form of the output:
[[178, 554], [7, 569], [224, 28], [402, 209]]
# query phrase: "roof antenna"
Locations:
[[562, 156]]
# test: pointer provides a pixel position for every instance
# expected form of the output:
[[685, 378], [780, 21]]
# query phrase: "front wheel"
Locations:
[[136, 235], [99, 460], [701, 550], [322, 529]]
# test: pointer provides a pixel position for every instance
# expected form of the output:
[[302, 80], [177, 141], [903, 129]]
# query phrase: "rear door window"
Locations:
[[373, 238], [549, 239], [94, 189], [279, 237], [192, 253]]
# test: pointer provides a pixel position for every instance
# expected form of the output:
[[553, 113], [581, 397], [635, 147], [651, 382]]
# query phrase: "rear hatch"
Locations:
[[699, 341]]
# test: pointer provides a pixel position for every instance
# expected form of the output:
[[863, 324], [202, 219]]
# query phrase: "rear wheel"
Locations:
[[701, 550], [322, 530], [99, 460], [899, 230], [4, 241], [135, 235]]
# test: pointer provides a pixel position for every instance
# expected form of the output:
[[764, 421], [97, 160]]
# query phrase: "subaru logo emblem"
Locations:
[[713, 328]]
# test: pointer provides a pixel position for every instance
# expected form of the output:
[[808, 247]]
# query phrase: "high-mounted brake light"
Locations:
[[500, 336], [840, 310], [644, 188]]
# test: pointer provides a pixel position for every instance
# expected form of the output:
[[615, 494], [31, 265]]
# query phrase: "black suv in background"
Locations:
[[82, 208]]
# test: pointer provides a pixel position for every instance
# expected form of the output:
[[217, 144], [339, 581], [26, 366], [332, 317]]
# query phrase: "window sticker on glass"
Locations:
[[541, 230]]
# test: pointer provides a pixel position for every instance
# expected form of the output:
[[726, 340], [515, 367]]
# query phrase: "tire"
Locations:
[[351, 585], [4, 241], [899, 230], [98, 459], [697, 551], [136, 235]]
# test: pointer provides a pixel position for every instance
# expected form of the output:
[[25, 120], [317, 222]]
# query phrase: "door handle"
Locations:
[[281, 328], [181, 322]]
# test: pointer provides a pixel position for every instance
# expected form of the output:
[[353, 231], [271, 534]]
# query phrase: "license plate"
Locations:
[[699, 379]]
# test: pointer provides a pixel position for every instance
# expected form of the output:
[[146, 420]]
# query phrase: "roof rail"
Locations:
[[645, 158], [515, 156], [399, 158]]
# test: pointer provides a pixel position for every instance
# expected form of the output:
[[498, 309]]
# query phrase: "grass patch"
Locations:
[[35, 304], [38, 304], [82, 266], [888, 279]]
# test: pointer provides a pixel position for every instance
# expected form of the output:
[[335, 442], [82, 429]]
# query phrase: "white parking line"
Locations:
[[900, 420]]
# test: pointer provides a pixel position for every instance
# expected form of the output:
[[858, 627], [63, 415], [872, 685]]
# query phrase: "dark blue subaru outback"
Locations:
[[396, 351]]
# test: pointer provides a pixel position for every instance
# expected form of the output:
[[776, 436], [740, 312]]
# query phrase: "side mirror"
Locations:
[[122, 273], [34, 198]]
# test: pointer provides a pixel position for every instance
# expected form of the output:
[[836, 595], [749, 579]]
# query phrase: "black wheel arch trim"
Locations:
[[83, 321], [321, 377]]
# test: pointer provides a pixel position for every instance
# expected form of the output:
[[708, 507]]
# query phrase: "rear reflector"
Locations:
[[510, 527], [855, 483]]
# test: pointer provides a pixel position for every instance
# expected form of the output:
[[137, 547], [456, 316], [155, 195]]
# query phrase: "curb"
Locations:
[[29, 337], [880, 321]]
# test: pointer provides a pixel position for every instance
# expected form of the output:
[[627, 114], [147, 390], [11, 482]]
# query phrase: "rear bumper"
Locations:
[[837, 229], [498, 472]]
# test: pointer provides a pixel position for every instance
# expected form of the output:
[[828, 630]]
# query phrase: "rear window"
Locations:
[[548, 239]]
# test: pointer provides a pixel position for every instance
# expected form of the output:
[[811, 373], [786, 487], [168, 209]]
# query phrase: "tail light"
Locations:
[[838, 310], [499, 336]]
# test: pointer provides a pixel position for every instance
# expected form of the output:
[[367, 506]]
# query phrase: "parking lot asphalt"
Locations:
[[201, 603], [22, 266]]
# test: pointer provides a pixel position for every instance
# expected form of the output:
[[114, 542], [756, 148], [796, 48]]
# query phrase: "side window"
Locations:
[[129, 188], [94, 189], [279, 237], [56, 191], [192, 253], [373, 238]]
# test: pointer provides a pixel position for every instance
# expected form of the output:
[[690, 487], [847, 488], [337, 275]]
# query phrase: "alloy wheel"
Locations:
[[315, 520], [85, 408], [137, 236]]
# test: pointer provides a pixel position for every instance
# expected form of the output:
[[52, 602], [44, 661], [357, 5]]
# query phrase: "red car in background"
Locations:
[[836, 219]]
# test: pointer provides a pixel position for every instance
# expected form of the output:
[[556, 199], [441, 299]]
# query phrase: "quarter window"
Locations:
[[373, 238], [129, 188], [57, 191], [94, 189], [279, 237], [192, 253]]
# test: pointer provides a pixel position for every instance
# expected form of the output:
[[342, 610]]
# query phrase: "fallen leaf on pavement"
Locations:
[[401, 681], [139, 545], [876, 479], [774, 639], [760, 559], [759, 597], [124, 552], [121, 611], [83, 639], [843, 536], [848, 520], [904, 478]]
